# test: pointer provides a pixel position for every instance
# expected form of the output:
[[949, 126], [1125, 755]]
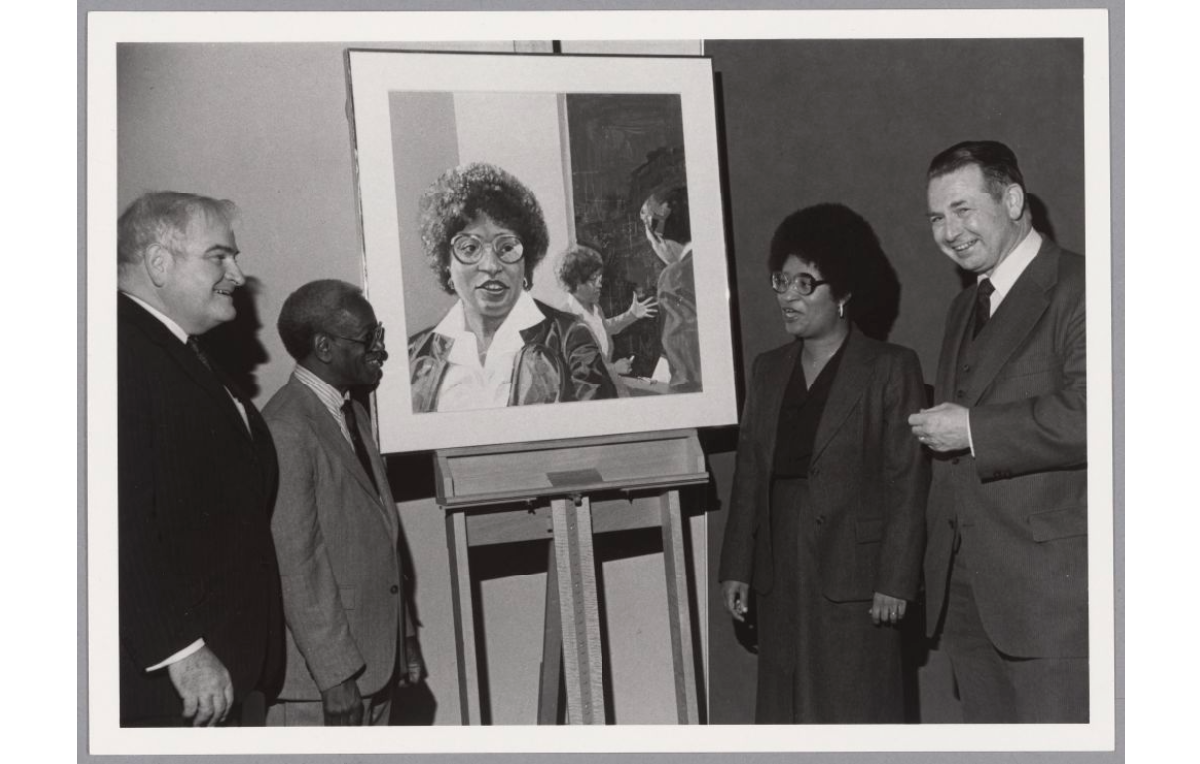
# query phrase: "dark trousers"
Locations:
[[996, 688]]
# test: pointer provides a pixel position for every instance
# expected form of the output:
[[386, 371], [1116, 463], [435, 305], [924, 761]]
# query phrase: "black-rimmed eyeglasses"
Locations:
[[468, 248], [803, 283], [374, 338]]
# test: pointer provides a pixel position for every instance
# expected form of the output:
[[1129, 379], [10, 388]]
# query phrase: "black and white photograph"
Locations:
[[742, 380], [592, 294]]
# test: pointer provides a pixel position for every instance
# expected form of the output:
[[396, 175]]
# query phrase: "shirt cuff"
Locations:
[[185, 652], [970, 442]]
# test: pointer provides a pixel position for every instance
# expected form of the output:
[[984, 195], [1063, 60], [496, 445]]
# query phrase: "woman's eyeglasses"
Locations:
[[803, 283], [468, 248]]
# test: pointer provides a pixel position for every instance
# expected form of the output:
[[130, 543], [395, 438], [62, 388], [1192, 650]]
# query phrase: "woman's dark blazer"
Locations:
[[868, 477]]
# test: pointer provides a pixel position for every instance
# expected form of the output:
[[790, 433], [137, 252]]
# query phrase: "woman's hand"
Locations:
[[737, 599], [644, 309], [887, 609], [623, 366]]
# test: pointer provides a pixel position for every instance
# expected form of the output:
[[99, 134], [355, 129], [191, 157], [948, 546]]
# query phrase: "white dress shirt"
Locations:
[[469, 384], [594, 320], [1003, 276]]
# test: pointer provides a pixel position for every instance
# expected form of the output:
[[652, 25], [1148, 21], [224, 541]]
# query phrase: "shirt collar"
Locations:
[[173, 327], [575, 306], [1010, 268], [463, 350], [330, 396]]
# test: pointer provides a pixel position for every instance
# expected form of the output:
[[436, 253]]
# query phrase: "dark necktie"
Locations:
[[983, 305], [360, 448], [194, 346]]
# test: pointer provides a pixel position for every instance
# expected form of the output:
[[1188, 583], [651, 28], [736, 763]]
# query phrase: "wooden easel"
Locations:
[[548, 486]]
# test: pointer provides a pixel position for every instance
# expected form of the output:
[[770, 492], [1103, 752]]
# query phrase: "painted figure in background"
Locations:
[[201, 624], [668, 229], [581, 272], [351, 641], [826, 518], [1007, 570], [484, 234]]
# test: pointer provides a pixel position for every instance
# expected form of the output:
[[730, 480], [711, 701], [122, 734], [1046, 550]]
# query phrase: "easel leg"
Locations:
[[682, 652], [552, 647], [464, 617], [580, 611]]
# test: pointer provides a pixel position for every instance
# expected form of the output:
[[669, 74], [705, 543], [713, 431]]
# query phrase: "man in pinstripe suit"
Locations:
[[1006, 561], [200, 613]]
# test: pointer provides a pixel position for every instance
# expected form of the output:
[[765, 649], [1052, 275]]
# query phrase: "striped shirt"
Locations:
[[330, 397]]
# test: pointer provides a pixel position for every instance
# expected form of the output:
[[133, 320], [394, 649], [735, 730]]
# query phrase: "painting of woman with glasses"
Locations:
[[483, 234]]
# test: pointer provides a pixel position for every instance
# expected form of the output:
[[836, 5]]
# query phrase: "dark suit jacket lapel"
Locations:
[[952, 343], [1015, 319], [187, 360], [852, 375], [774, 383]]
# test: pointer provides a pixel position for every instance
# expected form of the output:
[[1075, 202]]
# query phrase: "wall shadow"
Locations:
[[234, 345]]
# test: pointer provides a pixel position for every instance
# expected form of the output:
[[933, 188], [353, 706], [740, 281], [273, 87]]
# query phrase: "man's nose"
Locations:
[[234, 273], [951, 229]]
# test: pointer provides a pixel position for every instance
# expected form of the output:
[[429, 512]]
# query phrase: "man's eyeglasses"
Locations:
[[468, 248], [803, 283], [374, 338]]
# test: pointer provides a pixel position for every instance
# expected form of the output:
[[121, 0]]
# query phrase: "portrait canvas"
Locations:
[[610, 148]]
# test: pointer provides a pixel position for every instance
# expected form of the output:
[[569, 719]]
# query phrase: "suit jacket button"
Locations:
[[820, 519], [395, 589], [954, 460], [966, 367], [960, 394]]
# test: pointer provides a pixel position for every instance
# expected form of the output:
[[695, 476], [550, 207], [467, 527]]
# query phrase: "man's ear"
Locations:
[[158, 261], [322, 347], [1014, 201]]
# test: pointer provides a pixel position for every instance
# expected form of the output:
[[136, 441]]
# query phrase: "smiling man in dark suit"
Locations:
[[200, 616], [350, 641], [1006, 561]]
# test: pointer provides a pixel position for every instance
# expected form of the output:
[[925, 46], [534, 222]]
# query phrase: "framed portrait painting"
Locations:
[[543, 241]]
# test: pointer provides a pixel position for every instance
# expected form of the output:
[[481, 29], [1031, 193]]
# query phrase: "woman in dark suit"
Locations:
[[826, 521]]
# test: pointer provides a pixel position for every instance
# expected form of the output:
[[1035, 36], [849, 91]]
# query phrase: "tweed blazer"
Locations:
[[337, 541]]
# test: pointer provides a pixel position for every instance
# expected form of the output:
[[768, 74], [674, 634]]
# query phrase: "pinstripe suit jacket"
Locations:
[[1021, 502], [195, 491], [336, 537]]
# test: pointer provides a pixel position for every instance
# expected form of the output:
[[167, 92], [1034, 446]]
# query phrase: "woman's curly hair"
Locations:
[[459, 195], [579, 264]]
